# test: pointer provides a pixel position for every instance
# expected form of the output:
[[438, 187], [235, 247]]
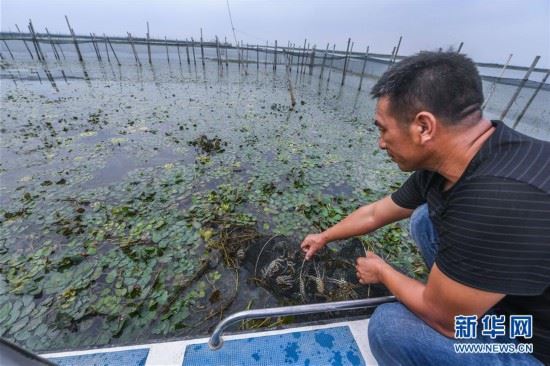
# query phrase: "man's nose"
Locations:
[[381, 143]]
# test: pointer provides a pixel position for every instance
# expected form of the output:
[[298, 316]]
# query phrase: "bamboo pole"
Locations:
[[218, 55], [226, 47], [187, 51], [290, 89], [96, 47], [74, 40], [331, 62], [114, 53], [290, 52], [56, 54], [226, 53], [520, 86], [312, 62], [238, 54], [266, 49], [391, 57], [323, 64], [494, 84], [167, 54], [193, 49], [64, 76], [38, 56], [94, 41], [41, 57], [345, 63], [301, 57], [60, 46], [149, 45], [350, 56], [460, 47], [178, 49], [25, 42], [106, 49], [363, 69], [11, 54], [36, 44], [396, 50], [299, 51], [133, 48], [202, 50], [275, 57], [306, 52], [522, 113], [246, 54]]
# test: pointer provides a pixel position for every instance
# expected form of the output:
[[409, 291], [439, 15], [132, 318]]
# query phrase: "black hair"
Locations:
[[446, 84]]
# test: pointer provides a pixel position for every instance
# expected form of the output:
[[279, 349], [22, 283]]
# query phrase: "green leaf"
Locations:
[[35, 322], [15, 312], [19, 324], [120, 292], [157, 236], [41, 330], [5, 311], [163, 298], [111, 276], [23, 335]]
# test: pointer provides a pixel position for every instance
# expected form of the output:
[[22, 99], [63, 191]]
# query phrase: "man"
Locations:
[[479, 202]]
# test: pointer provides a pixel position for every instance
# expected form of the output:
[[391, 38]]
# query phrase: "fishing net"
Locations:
[[277, 264]]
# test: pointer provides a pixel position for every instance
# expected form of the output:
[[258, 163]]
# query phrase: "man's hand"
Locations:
[[364, 220], [369, 268], [437, 302], [312, 243]]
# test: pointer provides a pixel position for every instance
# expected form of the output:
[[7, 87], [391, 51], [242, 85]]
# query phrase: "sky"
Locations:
[[490, 29]]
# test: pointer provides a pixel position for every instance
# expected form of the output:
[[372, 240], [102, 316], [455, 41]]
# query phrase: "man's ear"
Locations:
[[424, 127]]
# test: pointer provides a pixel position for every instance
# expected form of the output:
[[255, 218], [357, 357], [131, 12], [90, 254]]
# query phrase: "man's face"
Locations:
[[396, 138]]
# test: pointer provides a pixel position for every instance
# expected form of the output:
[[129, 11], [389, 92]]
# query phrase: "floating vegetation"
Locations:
[[135, 207], [208, 146]]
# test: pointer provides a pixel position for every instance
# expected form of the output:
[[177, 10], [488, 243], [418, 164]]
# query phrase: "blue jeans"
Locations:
[[399, 337]]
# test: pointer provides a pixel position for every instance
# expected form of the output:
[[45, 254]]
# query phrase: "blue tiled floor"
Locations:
[[331, 347], [135, 357]]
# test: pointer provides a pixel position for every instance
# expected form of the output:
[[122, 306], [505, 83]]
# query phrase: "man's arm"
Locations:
[[362, 221], [437, 302]]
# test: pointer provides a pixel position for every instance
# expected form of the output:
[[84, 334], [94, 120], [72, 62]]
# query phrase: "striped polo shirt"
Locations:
[[494, 225]]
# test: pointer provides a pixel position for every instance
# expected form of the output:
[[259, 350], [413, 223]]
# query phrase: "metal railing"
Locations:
[[216, 342]]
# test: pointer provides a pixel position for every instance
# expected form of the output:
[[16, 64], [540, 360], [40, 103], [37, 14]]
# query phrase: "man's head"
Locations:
[[445, 84], [422, 98]]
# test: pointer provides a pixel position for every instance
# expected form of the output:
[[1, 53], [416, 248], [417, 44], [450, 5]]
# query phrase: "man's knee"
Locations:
[[386, 326], [397, 336]]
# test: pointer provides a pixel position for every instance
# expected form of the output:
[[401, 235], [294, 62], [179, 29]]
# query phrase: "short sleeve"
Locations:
[[496, 237], [413, 192]]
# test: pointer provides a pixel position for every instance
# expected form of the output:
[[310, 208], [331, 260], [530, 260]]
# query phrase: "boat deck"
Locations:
[[342, 343]]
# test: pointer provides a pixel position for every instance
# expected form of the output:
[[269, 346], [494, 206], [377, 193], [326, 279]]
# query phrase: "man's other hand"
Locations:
[[312, 243], [369, 269]]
